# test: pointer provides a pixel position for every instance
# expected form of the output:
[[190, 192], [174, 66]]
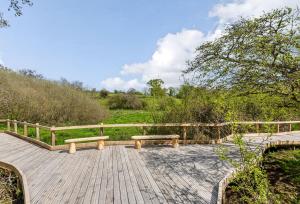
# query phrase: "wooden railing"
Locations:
[[12, 126], [143, 126]]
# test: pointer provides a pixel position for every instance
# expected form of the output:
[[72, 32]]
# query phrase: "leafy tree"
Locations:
[[256, 55], [184, 91], [156, 87], [17, 7], [104, 93], [172, 91], [133, 91]]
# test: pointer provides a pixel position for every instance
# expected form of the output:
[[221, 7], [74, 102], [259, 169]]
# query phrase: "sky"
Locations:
[[117, 44]]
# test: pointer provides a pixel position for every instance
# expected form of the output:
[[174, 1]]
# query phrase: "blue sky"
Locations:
[[116, 44]]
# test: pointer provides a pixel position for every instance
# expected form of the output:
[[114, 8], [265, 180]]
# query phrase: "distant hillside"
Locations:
[[29, 97]]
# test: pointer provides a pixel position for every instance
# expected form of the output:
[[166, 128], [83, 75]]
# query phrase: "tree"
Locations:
[[17, 7], [172, 91], [256, 55], [132, 91], [104, 93], [156, 87]]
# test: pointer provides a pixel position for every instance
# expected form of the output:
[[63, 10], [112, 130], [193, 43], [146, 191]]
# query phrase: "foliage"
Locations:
[[250, 182], [104, 93], [254, 56], [155, 87], [134, 91], [125, 101], [10, 191], [172, 91], [16, 6], [38, 100]]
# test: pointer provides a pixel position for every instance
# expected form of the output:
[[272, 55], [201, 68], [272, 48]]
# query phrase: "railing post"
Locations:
[[53, 137], [101, 130], [290, 127], [8, 124], [37, 131], [219, 134], [15, 127], [144, 130], [25, 129], [184, 134], [278, 128], [257, 128]]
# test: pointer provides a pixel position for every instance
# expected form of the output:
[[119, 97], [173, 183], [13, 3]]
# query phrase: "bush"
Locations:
[[10, 189], [38, 100], [126, 101], [104, 93]]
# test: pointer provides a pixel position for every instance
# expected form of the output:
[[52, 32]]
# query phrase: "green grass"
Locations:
[[116, 117], [283, 168], [2, 127], [129, 116]]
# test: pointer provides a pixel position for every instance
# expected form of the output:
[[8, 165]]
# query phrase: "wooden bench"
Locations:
[[138, 139], [72, 142]]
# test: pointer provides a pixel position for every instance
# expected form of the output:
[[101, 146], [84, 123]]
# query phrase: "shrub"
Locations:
[[125, 101], [10, 189], [104, 93], [38, 100]]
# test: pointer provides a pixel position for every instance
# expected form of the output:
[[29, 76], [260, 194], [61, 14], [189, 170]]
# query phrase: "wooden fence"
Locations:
[[12, 126]]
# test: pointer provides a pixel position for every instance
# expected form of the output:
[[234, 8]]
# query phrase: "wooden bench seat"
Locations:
[[138, 139], [72, 142]]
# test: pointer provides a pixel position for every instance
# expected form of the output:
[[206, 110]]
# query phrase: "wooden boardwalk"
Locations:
[[118, 174]]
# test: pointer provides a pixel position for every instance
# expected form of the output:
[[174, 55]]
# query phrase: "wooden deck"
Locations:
[[118, 174]]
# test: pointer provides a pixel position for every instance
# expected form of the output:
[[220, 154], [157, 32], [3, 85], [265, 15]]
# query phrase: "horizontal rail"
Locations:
[[144, 125], [28, 124], [171, 125], [139, 125], [267, 123]]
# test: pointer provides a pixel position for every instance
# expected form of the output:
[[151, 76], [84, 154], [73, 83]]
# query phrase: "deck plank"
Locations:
[[119, 174]]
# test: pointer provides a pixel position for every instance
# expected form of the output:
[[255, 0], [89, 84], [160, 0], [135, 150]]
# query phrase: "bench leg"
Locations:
[[175, 143], [138, 144], [72, 149], [100, 144]]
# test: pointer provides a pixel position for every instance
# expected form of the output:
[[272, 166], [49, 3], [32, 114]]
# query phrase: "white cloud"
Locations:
[[228, 12], [173, 50], [169, 59], [117, 83]]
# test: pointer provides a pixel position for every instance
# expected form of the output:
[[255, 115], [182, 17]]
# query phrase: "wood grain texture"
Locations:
[[120, 174]]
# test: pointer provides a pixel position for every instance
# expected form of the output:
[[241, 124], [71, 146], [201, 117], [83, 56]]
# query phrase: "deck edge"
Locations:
[[22, 177]]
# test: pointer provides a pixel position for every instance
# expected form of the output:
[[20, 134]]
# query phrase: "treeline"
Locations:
[[25, 95], [189, 103]]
